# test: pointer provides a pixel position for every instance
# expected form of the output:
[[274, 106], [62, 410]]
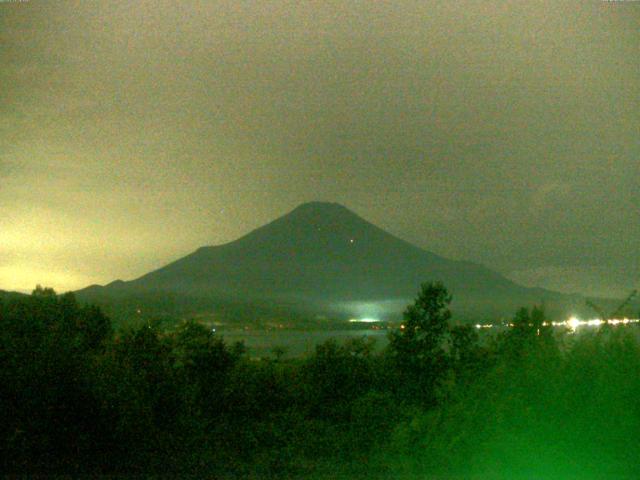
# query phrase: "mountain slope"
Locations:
[[6, 295], [320, 256]]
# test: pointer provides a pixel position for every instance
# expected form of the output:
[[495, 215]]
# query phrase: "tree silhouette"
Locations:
[[418, 346]]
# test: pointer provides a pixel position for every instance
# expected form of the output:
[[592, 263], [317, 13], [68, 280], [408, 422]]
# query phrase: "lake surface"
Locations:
[[297, 343], [260, 343]]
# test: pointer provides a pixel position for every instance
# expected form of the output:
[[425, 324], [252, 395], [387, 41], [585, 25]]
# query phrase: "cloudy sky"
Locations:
[[506, 133]]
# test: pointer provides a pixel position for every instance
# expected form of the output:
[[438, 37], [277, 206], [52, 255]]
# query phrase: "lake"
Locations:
[[296, 343]]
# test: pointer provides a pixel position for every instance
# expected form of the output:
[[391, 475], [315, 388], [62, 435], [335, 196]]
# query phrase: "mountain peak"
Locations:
[[318, 219], [309, 224], [321, 209], [320, 205], [326, 210]]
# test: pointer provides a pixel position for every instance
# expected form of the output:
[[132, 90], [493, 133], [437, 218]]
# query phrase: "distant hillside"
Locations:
[[8, 295], [320, 258]]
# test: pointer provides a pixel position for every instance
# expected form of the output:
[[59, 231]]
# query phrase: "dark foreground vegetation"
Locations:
[[532, 402]]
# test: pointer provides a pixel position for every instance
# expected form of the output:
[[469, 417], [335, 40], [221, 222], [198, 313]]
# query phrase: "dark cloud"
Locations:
[[504, 133]]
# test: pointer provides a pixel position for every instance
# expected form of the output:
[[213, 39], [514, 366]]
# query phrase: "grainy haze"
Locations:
[[505, 133]]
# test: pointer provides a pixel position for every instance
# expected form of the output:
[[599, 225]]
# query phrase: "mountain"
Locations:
[[320, 258], [5, 295]]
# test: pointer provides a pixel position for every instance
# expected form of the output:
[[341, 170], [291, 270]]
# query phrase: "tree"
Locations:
[[279, 351], [531, 334], [337, 374], [204, 361], [418, 346], [466, 355]]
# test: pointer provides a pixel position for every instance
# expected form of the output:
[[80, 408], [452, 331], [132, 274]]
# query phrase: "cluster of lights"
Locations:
[[573, 323], [363, 320]]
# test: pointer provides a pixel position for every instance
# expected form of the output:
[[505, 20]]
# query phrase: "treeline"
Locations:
[[78, 398]]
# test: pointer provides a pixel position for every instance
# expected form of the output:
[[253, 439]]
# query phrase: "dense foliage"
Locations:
[[532, 402]]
